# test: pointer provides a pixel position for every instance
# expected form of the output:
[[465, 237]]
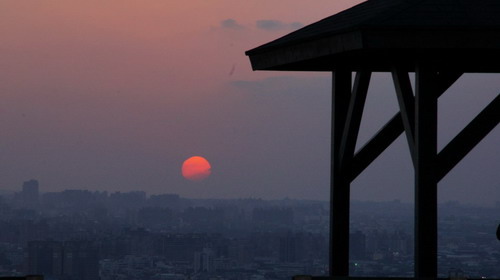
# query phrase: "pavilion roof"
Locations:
[[377, 33]]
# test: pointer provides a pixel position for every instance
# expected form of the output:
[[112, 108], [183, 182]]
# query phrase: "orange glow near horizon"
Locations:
[[196, 168]]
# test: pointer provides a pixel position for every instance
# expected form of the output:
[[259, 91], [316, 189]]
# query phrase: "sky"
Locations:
[[115, 95]]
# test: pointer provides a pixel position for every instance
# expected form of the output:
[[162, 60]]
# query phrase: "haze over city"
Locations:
[[116, 95]]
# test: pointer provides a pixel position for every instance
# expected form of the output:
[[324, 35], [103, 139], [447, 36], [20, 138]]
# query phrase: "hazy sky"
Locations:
[[115, 95]]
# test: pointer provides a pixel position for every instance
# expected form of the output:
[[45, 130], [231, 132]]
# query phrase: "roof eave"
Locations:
[[284, 57], [324, 54]]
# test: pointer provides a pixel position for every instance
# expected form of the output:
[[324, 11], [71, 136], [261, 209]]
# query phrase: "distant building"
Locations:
[[274, 215], [29, 194], [204, 261], [72, 260], [80, 261], [45, 257], [288, 248], [181, 247], [357, 245]]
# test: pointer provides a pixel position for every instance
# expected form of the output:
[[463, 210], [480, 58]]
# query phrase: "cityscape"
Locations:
[[83, 235]]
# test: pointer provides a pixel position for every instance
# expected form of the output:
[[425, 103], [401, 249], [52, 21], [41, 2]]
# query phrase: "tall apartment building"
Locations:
[[29, 194], [70, 260], [204, 261], [45, 257]]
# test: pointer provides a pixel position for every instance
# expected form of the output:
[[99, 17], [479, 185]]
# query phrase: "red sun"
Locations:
[[196, 168]]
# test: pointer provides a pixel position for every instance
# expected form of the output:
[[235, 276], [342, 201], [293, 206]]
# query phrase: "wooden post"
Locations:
[[425, 173], [339, 182]]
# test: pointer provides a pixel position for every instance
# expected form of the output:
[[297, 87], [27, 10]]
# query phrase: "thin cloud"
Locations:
[[231, 24], [296, 25], [272, 25]]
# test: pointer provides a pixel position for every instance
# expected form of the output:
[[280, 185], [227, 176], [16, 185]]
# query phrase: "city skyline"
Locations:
[[62, 234], [116, 96]]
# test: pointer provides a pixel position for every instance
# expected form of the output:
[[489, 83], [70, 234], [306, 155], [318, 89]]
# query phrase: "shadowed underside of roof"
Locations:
[[378, 32]]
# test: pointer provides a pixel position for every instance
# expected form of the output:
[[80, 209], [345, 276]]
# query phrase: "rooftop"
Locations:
[[388, 29]]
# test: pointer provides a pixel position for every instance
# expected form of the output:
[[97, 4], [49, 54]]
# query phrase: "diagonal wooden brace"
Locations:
[[468, 138]]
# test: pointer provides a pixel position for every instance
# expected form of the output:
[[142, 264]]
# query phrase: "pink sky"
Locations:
[[115, 95]]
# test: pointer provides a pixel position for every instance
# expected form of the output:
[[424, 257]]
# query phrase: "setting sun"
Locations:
[[196, 168]]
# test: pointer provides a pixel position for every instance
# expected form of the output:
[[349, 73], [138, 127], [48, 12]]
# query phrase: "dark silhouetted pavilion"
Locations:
[[438, 40]]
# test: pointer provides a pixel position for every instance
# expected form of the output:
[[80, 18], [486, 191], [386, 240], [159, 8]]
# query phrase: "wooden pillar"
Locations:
[[339, 182], [425, 172]]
